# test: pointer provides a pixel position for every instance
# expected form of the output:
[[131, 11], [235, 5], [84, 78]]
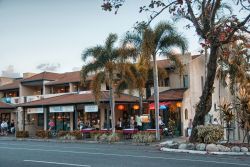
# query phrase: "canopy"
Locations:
[[163, 105]]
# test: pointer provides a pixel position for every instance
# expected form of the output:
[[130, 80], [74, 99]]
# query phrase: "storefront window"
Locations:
[[61, 120], [40, 120], [90, 119]]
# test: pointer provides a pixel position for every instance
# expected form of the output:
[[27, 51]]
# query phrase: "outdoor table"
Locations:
[[127, 133]]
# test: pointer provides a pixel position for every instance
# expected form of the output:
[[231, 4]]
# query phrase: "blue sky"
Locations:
[[35, 32]]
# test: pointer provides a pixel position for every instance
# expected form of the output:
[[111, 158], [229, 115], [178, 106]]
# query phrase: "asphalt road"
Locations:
[[48, 154]]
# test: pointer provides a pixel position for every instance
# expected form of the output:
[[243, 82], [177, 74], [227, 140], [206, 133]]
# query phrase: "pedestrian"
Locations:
[[51, 125], [119, 124], [139, 122], [81, 124], [4, 127], [160, 122], [132, 122], [189, 129], [12, 126]]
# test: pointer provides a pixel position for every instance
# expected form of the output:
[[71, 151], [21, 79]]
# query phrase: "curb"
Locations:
[[203, 152], [73, 141]]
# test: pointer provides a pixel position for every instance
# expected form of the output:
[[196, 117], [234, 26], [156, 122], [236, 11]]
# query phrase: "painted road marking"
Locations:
[[127, 155], [57, 163]]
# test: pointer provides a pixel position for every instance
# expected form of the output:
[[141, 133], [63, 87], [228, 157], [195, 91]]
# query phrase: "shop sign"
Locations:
[[61, 109], [34, 110], [91, 108]]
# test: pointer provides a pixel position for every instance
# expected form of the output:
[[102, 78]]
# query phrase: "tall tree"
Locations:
[[104, 65], [158, 41], [212, 27], [136, 76]]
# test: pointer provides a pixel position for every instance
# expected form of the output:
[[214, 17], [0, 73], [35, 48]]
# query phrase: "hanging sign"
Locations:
[[61, 109], [91, 108], [34, 110]]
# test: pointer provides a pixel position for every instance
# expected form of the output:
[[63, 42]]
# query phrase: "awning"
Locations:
[[162, 105]]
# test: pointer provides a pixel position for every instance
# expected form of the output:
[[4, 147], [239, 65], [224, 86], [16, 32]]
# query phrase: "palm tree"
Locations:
[[153, 42], [233, 65], [135, 76], [104, 65]]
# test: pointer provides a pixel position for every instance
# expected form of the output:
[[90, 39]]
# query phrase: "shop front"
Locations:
[[34, 119], [170, 107], [74, 112], [88, 116], [62, 117], [7, 113]]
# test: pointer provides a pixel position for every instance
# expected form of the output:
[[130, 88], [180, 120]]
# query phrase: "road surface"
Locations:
[[52, 154]]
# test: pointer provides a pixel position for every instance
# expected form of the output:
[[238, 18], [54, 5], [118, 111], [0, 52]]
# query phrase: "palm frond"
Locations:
[[94, 52], [132, 40], [110, 41], [91, 67], [96, 85], [162, 29], [173, 40], [178, 64]]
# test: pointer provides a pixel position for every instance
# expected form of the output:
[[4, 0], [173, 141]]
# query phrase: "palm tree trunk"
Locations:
[[141, 102], [156, 98], [112, 106], [205, 102]]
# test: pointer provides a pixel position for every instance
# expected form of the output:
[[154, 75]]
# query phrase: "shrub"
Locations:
[[113, 138], [62, 133], [143, 137], [103, 137], [67, 135], [42, 134], [22, 134], [209, 133], [77, 134]]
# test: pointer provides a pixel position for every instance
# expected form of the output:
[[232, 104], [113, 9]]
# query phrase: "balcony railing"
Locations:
[[25, 99]]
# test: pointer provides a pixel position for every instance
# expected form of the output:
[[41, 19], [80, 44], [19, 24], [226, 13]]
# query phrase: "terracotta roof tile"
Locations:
[[13, 85], [78, 98], [43, 76], [6, 106], [165, 63], [170, 95], [69, 77]]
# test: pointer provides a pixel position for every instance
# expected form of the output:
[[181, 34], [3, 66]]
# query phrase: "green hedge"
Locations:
[[22, 134], [209, 133]]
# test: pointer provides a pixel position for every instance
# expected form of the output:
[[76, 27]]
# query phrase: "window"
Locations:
[[185, 81], [202, 83], [40, 120], [186, 114], [167, 81], [215, 109]]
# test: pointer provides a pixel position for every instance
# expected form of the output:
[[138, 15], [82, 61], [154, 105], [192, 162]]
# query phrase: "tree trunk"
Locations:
[[205, 102], [156, 98], [112, 107], [148, 90], [141, 102]]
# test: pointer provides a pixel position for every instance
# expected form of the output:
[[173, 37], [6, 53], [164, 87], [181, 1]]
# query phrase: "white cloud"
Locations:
[[10, 72], [48, 67]]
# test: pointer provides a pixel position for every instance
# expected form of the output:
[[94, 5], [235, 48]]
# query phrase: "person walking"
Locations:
[[12, 127], [138, 122]]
